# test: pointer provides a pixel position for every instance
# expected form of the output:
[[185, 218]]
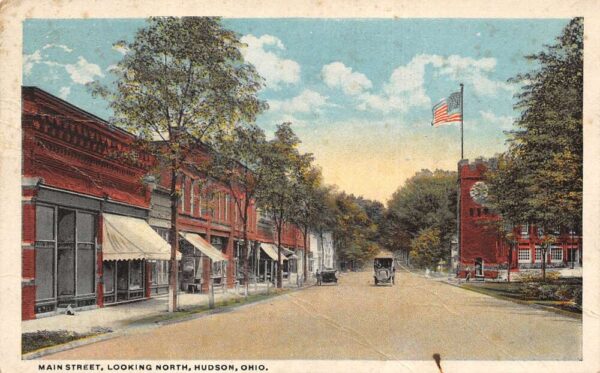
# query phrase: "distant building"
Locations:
[[322, 250], [484, 253]]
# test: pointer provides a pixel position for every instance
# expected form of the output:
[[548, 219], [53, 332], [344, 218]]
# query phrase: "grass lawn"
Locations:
[[519, 292], [44, 338]]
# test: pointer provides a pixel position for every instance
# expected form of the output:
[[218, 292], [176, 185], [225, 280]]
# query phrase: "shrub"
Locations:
[[530, 289], [551, 276], [546, 292], [535, 276], [578, 296], [564, 293]]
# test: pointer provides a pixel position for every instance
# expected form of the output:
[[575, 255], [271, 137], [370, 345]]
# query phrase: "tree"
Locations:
[[276, 198], [309, 199], [238, 162], [182, 81], [353, 230], [426, 200], [545, 156], [426, 249]]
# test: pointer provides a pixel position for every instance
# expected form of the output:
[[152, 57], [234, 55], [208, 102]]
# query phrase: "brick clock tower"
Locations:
[[481, 252]]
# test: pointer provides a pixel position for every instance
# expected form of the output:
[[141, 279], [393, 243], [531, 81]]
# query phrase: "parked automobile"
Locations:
[[384, 269], [327, 276]]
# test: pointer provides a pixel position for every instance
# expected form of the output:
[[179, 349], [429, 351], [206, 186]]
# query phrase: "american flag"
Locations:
[[448, 110]]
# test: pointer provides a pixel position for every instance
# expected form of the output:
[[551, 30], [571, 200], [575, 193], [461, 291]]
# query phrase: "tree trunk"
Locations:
[[510, 251], [322, 253], [305, 262], [245, 255], [173, 268], [544, 250], [279, 269]]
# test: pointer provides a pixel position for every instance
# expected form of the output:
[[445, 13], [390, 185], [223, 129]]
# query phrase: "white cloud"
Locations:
[[83, 72], [29, 60], [406, 86], [503, 122], [121, 49], [307, 101], [64, 92], [338, 75], [60, 46], [276, 70]]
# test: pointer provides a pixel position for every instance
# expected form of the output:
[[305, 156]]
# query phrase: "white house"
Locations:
[[322, 250]]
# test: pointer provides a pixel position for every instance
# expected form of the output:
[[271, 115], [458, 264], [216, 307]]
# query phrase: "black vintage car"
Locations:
[[384, 269], [327, 276]]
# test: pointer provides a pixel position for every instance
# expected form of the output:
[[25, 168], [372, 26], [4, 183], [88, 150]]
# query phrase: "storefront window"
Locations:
[[44, 252], [86, 253], [109, 277], [135, 275], [66, 253]]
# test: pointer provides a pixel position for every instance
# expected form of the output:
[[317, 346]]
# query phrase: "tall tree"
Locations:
[[426, 200], [182, 81], [240, 162], [353, 230], [276, 198], [549, 141], [309, 199]]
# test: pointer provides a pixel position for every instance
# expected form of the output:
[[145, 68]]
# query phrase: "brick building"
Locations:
[[96, 223], [482, 250]]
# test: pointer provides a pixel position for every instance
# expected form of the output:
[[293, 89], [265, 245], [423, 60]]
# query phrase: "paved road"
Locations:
[[356, 320]]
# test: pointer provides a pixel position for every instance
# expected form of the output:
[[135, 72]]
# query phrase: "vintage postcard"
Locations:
[[301, 187]]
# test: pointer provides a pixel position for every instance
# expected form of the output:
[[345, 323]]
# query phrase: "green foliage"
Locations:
[[536, 277], [427, 201], [427, 250], [182, 80], [539, 180], [353, 229]]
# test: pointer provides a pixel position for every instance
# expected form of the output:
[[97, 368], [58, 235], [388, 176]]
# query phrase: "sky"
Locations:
[[359, 92]]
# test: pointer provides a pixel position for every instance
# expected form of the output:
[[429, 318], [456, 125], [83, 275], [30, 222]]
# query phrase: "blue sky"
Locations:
[[359, 92]]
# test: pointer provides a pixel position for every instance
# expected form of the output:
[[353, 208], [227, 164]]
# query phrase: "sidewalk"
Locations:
[[122, 316]]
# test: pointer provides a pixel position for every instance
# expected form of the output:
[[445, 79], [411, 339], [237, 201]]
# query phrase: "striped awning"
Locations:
[[205, 248], [127, 238], [271, 251]]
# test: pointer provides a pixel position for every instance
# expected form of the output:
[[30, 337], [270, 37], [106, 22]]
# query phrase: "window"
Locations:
[[524, 256], [486, 211], [86, 253], [478, 212], [538, 254], [65, 253], [192, 197], [182, 199], [556, 254], [471, 212], [226, 207], [109, 277], [135, 275], [44, 252], [525, 230]]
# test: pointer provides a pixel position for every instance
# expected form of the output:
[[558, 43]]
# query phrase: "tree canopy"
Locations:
[[423, 208], [539, 179]]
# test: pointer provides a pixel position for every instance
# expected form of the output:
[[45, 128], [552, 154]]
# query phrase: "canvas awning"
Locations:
[[127, 238], [271, 251], [205, 248]]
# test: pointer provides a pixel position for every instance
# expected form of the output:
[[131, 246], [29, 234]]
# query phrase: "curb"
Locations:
[[144, 327]]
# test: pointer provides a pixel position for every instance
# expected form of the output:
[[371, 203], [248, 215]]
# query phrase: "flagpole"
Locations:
[[462, 89]]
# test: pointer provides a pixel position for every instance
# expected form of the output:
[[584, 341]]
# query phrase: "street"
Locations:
[[412, 320]]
